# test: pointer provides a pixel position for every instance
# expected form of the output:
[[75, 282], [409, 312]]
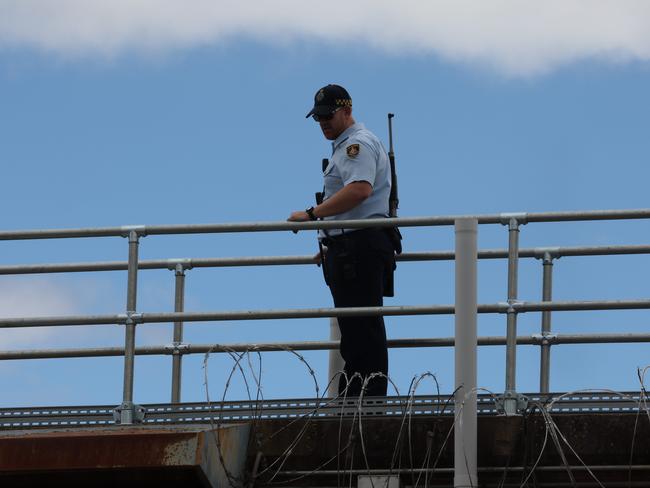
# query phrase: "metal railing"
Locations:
[[128, 412], [238, 411]]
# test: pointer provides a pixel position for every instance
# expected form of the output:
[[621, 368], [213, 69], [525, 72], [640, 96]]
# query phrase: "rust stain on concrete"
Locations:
[[188, 451]]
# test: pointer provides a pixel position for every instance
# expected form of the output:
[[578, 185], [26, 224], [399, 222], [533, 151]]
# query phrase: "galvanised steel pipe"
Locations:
[[127, 409], [335, 363], [482, 469], [465, 433], [567, 306], [16, 235], [189, 263], [229, 228], [596, 250], [307, 313], [626, 338], [574, 216], [510, 401], [72, 320], [179, 306], [291, 226], [93, 352], [168, 317], [545, 351], [298, 226]]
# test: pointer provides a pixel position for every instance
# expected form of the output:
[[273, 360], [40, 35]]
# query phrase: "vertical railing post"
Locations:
[[511, 399], [336, 363], [545, 352], [177, 357], [128, 412], [465, 345]]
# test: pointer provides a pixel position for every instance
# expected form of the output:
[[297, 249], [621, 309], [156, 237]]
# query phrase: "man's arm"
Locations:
[[343, 200]]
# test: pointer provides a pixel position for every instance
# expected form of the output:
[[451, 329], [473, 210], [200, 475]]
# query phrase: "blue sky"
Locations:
[[149, 129]]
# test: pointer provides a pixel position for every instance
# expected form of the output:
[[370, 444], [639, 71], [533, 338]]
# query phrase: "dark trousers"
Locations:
[[358, 265]]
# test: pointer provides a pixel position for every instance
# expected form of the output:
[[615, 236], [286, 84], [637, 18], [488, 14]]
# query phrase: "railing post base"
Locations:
[[128, 413], [512, 403]]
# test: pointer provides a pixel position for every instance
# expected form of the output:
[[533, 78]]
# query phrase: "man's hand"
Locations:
[[299, 216], [343, 200]]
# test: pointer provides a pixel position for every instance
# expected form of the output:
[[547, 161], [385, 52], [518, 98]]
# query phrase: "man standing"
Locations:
[[359, 263]]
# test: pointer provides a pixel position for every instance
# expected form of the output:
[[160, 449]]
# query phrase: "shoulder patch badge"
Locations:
[[352, 150]]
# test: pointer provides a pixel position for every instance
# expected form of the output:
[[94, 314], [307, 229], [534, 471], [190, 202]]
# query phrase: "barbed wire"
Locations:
[[313, 413], [356, 417], [347, 446], [233, 480], [552, 429], [642, 402], [364, 388], [415, 383]]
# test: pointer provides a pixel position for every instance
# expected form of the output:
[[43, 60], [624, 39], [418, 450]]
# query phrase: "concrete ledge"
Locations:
[[129, 455]]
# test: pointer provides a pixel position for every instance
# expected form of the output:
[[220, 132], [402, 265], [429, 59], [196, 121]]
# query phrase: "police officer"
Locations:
[[358, 263]]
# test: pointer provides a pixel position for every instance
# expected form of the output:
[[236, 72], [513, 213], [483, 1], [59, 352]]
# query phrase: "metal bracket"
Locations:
[[140, 230], [128, 413], [545, 338], [511, 403], [135, 317], [179, 265], [547, 254], [514, 219], [177, 348], [509, 306], [131, 318]]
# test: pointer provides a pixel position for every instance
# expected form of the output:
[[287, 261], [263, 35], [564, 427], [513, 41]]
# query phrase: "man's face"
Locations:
[[335, 126]]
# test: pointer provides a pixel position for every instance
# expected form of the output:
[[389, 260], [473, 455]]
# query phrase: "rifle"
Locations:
[[393, 199]]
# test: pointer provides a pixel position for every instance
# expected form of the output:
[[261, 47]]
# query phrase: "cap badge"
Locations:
[[352, 150], [320, 95]]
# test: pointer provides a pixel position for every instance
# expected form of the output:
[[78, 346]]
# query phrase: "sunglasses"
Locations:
[[325, 118]]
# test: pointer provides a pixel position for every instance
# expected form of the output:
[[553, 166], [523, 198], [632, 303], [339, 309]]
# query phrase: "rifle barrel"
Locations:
[[393, 201], [390, 133]]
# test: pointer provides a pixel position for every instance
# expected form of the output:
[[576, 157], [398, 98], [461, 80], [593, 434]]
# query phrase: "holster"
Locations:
[[395, 237]]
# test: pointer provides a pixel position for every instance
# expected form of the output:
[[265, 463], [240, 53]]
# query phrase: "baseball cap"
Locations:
[[328, 99]]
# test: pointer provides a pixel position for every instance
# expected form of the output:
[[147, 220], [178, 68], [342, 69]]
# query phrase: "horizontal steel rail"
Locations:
[[186, 349], [485, 470], [202, 412], [482, 469], [189, 263], [143, 230], [167, 317]]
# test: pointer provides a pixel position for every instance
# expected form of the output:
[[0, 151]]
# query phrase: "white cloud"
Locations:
[[33, 299], [46, 297], [517, 37]]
